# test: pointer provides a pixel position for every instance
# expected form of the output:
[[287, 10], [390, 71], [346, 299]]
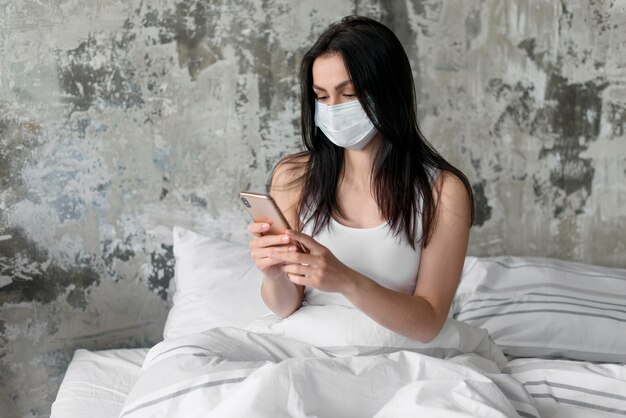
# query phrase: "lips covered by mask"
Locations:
[[346, 124]]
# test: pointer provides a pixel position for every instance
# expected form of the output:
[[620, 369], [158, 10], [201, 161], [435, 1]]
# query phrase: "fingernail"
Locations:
[[265, 226], [271, 254], [292, 249], [285, 239]]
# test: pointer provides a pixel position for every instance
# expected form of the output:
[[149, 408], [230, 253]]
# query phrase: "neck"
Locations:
[[357, 166]]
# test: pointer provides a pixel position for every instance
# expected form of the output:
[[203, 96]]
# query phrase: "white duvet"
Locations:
[[269, 371]]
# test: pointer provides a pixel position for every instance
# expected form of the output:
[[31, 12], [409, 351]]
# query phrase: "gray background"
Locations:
[[120, 119]]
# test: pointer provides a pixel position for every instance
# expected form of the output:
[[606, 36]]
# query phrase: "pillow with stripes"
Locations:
[[539, 307]]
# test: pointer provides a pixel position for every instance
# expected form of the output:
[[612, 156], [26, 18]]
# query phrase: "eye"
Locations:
[[321, 98], [349, 95]]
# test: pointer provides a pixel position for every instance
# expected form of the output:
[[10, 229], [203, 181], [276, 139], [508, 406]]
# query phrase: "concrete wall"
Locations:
[[120, 119]]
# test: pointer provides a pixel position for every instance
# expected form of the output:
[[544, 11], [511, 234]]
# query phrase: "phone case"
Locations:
[[263, 208]]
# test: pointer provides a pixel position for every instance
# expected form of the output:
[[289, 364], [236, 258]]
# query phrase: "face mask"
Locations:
[[346, 124]]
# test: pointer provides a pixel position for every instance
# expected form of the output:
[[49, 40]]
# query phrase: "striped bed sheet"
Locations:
[[561, 324], [229, 372], [565, 388], [97, 382]]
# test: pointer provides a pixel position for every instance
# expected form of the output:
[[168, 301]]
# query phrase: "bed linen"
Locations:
[[215, 284], [230, 372], [539, 307], [564, 388], [215, 357], [96, 383]]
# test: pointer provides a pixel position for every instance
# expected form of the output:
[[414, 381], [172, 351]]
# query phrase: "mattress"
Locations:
[[96, 383]]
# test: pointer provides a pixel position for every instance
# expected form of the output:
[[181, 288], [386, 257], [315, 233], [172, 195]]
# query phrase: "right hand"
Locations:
[[261, 246]]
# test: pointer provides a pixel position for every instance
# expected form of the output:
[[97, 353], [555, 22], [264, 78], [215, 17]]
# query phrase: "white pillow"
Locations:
[[333, 326], [217, 284], [538, 307]]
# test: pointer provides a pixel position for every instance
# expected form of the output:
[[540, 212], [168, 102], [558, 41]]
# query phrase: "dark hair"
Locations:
[[380, 71]]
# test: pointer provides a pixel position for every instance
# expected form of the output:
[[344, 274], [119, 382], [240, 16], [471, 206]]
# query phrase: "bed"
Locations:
[[528, 337]]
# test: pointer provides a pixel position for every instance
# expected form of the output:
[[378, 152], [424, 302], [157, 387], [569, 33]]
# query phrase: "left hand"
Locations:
[[319, 268]]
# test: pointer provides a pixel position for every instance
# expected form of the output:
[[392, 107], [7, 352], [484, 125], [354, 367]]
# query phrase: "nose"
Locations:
[[332, 100]]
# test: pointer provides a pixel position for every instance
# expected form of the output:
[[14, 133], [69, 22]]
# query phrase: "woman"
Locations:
[[385, 218]]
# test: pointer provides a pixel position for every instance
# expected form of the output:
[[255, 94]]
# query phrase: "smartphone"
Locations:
[[263, 208]]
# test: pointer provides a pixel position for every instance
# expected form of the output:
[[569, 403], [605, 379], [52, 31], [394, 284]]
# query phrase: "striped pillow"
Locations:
[[537, 307], [597, 388]]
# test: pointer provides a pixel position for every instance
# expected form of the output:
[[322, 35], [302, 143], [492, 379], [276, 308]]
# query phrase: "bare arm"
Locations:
[[419, 316], [422, 314], [280, 294]]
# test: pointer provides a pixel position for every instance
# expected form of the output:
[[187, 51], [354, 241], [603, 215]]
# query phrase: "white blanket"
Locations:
[[230, 372]]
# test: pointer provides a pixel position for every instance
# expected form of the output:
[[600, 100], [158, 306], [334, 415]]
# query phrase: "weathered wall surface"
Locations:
[[120, 119]]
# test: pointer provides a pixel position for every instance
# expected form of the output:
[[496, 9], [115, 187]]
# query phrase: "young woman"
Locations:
[[385, 218]]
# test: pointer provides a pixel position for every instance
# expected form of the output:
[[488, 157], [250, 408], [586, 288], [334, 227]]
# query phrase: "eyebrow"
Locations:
[[337, 87]]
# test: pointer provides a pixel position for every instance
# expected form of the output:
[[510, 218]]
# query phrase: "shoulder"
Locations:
[[289, 171], [287, 184], [452, 195]]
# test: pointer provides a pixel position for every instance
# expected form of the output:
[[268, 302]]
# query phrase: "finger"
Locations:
[[260, 253], [258, 228], [265, 263], [266, 241], [292, 257], [301, 280], [298, 269], [305, 239]]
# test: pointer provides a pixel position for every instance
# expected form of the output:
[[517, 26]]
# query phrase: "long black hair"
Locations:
[[383, 82]]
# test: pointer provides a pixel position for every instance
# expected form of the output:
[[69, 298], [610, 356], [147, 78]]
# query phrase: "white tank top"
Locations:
[[374, 252]]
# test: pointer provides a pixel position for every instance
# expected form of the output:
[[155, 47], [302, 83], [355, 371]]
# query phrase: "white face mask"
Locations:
[[345, 124]]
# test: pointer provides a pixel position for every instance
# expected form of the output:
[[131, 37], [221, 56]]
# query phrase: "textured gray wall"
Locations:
[[120, 119]]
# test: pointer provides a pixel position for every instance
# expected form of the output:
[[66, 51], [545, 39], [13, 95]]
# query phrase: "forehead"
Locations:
[[329, 70]]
